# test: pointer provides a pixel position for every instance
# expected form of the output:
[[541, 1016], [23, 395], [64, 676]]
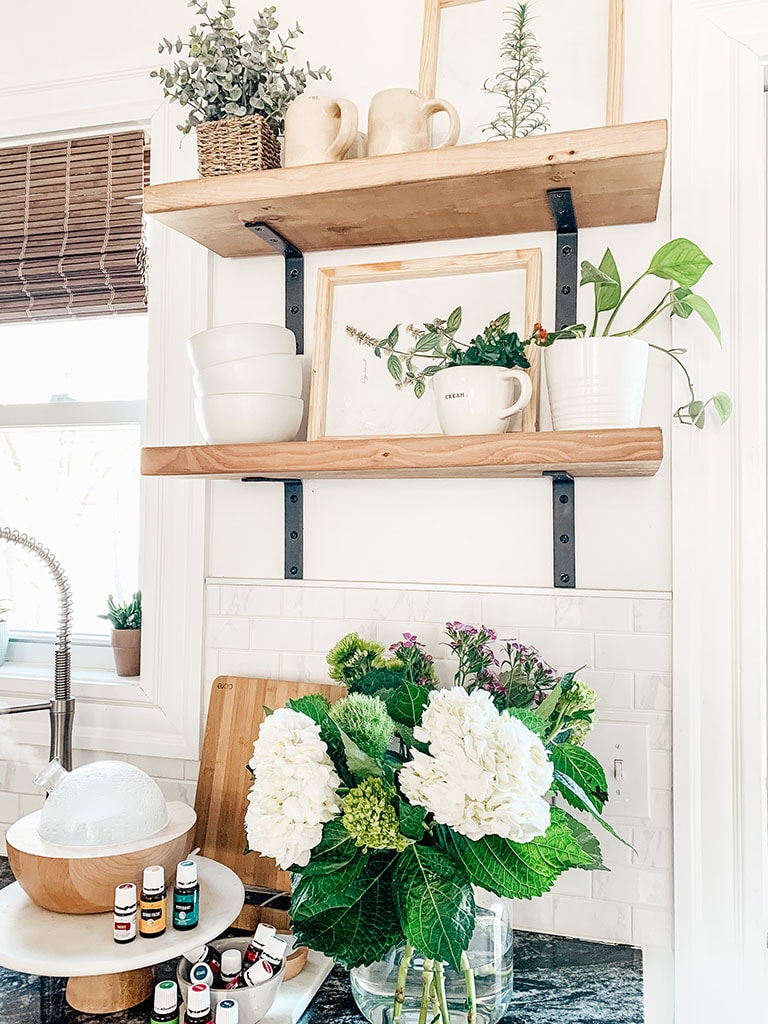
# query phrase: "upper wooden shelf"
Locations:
[[635, 452], [491, 188]]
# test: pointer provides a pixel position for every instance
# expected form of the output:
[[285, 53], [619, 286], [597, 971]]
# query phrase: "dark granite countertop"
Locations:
[[557, 981]]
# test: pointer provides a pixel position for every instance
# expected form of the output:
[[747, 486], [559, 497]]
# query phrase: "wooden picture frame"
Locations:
[[332, 278], [430, 49]]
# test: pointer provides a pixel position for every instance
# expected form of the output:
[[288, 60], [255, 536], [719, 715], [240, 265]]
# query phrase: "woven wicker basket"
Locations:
[[236, 144]]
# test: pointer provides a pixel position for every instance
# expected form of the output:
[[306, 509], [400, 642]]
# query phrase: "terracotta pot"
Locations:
[[126, 645]]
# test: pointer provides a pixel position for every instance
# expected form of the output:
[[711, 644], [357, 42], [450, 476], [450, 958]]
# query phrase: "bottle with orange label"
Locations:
[[153, 903]]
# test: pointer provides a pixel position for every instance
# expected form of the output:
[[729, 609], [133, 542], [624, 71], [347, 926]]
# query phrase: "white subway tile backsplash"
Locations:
[[637, 885], [636, 652], [562, 649], [378, 604], [519, 610], [660, 769], [259, 664], [613, 689], [652, 616], [28, 804], [441, 607], [212, 599], [327, 632], [652, 927], [604, 920], [574, 883], [227, 631], [594, 613], [281, 635], [653, 690], [249, 600], [313, 602], [534, 915], [9, 807], [304, 668], [653, 847]]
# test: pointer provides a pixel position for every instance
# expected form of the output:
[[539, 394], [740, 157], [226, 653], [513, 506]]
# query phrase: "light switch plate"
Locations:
[[622, 750]]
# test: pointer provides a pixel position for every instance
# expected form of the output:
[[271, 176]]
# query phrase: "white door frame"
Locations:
[[719, 522]]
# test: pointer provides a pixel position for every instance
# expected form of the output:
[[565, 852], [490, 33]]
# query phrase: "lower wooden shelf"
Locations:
[[595, 453]]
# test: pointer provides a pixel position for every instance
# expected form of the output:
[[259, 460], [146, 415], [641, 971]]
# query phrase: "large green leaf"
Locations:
[[454, 321], [406, 704], [587, 840], [530, 720], [411, 819], [724, 405], [576, 797], [361, 765], [335, 850], [607, 295], [355, 920], [702, 307], [434, 903], [584, 768], [590, 274], [518, 870], [679, 260]]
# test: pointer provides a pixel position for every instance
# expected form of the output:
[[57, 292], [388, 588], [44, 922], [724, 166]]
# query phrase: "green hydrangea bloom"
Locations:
[[370, 818], [366, 721], [579, 697]]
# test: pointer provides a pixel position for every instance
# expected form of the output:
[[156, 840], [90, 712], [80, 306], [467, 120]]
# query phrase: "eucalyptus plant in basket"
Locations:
[[394, 805]]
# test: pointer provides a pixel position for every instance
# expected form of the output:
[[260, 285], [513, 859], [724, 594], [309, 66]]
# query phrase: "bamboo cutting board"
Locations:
[[235, 712]]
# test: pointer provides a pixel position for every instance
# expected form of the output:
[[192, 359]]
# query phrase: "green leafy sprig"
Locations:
[[679, 262], [435, 347], [227, 73], [520, 83]]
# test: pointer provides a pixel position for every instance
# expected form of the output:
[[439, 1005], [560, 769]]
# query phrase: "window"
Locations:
[[73, 380]]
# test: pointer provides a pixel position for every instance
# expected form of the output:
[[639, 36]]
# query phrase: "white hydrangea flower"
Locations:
[[294, 789], [485, 773]]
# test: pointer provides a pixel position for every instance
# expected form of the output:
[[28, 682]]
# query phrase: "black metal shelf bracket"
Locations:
[[563, 530], [293, 497], [294, 278], [561, 205]]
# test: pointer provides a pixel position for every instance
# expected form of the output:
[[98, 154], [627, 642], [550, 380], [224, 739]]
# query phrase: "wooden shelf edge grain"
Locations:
[[585, 453], [478, 190]]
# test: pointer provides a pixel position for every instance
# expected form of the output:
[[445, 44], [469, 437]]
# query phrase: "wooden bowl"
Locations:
[[81, 879]]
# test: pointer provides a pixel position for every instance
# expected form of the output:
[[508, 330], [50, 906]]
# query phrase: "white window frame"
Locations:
[[160, 714]]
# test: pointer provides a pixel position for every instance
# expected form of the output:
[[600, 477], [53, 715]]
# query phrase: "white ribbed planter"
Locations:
[[596, 383]]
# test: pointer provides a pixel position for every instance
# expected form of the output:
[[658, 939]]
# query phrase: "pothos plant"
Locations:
[[391, 804], [681, 264], [434, 347], [227, 73]]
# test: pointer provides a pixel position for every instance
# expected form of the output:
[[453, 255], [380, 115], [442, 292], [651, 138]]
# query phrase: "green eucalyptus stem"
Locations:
[[620, 303], [439, 985], [426, 985], [469, 979], [402, 976]]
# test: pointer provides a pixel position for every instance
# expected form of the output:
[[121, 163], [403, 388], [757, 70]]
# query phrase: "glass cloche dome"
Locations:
[[100, 804]]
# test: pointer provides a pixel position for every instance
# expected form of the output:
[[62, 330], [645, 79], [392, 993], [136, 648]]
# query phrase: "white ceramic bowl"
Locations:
[[252, 1003], [251, 418], [238, 341], [264, 375]]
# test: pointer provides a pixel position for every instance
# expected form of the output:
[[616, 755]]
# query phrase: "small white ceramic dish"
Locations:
[[248, 418], [252, 1003], [238, 341], [265, 375]]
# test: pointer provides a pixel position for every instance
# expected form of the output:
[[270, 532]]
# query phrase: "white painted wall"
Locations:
[[397, 538]]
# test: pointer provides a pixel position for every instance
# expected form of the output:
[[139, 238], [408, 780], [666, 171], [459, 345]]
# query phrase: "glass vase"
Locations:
[[490, 961]]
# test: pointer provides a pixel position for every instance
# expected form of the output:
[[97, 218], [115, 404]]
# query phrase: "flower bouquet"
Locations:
[[395, 805]]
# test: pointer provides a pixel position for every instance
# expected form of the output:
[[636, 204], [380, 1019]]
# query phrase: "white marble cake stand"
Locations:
[[105, 977]]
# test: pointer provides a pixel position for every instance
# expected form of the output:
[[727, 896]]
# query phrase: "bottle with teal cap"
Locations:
[[186, 896], [165, 1009]]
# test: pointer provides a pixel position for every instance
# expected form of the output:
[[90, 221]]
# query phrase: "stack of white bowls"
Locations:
[[248, 383]]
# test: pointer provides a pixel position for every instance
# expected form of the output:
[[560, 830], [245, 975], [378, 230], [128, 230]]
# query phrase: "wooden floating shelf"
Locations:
[[597, 453], [486, 189]]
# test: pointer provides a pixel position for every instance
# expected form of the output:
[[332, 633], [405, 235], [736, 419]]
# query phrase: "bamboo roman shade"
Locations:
[[71, 220]]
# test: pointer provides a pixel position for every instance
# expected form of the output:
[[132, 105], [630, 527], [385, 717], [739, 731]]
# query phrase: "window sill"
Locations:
[[22, 682]]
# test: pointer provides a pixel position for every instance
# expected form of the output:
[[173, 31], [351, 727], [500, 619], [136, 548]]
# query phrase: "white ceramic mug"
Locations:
[[479, 399], [359, 147], [398, 122], [319, 129]]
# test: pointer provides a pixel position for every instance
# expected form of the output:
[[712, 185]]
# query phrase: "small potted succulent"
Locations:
[[236, 85], [596, 375], [125, 618], [4, 632], [473, 382]]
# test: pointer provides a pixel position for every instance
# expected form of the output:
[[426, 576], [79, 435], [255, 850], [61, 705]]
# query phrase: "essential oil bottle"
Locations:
[[152, 904], [206, 955], [201, 973], [227, 1012], [256, 974], [186, 896], [166, 1004], [256, 945], [274, 952], [231, 965], [198, 1005], [125, 913]]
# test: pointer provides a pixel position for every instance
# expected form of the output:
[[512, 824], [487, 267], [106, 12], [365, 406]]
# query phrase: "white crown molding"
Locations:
[[720, 522]]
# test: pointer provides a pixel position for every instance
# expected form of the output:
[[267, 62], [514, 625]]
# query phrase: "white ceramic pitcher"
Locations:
[[318, 130], [398, 122]]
